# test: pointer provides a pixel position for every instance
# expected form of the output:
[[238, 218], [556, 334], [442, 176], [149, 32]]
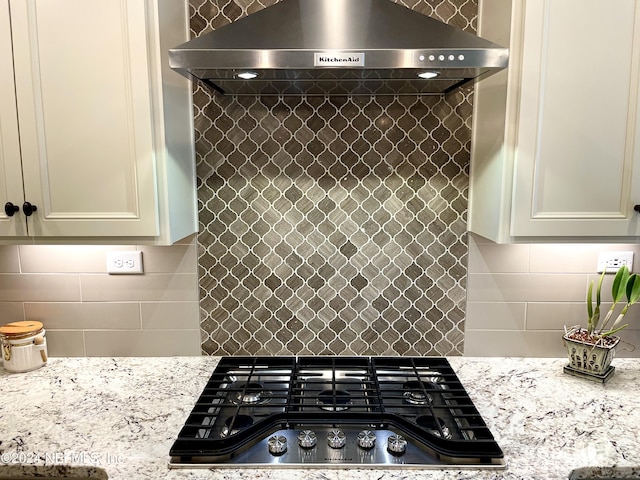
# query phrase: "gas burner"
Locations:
[[334, 400], [429, 423], [251, 394], [235, 424], [415, 392]]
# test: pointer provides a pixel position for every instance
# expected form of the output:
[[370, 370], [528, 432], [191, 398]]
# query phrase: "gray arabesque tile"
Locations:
[[333, 225]]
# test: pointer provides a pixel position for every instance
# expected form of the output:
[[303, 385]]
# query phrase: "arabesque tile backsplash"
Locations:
[[332, 225]]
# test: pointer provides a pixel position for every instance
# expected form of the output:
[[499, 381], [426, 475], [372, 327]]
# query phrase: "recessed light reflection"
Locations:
[[247, 75], [427, 75]]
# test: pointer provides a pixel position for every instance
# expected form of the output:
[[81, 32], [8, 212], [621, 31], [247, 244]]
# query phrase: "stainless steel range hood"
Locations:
[[340, 47]]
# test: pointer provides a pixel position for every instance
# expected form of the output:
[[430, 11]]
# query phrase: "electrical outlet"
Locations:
[[612, 261], [120, 262]]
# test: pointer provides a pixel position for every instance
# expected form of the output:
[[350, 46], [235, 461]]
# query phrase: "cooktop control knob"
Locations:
[[277, 444], [366, 439], [336, 439], [396, 444], [307, 439]]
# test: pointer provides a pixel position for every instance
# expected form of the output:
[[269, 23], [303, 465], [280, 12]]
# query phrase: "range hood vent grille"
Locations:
[[337, 47]]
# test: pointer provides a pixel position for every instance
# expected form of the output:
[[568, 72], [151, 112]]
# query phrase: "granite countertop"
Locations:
[[93, 417]]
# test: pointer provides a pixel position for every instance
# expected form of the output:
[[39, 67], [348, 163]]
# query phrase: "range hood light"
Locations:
[[247, 75], [428, 75]]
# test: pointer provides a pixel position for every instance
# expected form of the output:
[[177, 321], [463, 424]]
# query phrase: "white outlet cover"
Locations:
[[612, 261], [124, 262]]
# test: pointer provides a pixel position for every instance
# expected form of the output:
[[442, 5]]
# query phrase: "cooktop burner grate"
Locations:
[[251, 401]]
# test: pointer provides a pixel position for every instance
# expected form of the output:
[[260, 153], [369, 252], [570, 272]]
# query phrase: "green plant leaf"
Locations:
[[594, 314], [611, 332], [599, 289], [594, 318], [590, 301], [633, 289], [618, 289]]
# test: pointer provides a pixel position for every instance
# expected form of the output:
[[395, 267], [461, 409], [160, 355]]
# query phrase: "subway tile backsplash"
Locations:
[[87, 312], [39, 287], [520, 297]]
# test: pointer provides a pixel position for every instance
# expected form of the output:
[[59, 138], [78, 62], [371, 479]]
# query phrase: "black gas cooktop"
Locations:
[[335, 411]]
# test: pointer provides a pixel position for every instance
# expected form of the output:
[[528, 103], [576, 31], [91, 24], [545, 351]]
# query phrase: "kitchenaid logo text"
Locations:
[[336, 59]]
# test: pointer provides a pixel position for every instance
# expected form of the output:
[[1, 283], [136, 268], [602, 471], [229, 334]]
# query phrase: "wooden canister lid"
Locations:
[[21, 328]]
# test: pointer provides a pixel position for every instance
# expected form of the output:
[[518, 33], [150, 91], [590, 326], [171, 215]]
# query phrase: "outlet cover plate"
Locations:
[[124, 263], [612, 261]]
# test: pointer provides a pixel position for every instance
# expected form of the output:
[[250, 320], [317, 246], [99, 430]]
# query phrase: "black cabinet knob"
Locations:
[[28, 209], [10, 209], [636, 208]]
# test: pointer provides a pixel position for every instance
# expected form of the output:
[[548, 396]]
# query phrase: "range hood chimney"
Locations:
[[337, 47]]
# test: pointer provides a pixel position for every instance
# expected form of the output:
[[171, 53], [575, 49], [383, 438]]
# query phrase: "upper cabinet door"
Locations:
[[556, 137], [10, 162], [85, 116], [577, 158]]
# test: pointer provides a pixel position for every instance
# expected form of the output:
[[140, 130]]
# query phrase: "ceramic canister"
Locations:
[[24, 346]]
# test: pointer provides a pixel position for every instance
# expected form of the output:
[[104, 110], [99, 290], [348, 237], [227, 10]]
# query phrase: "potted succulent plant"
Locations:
[[591, 349]]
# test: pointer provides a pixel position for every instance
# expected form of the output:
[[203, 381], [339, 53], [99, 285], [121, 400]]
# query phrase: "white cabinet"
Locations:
[[556, 140], [99, 134], [10, 166]]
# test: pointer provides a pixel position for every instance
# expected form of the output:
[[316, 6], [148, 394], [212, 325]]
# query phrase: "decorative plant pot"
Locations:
[[588, 360]]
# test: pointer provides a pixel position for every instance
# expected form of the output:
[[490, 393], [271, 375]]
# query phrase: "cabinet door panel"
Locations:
[[574, 157], [10, 163], [85, 117]]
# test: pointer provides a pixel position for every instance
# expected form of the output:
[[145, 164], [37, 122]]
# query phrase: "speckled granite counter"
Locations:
[[119, 417]]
